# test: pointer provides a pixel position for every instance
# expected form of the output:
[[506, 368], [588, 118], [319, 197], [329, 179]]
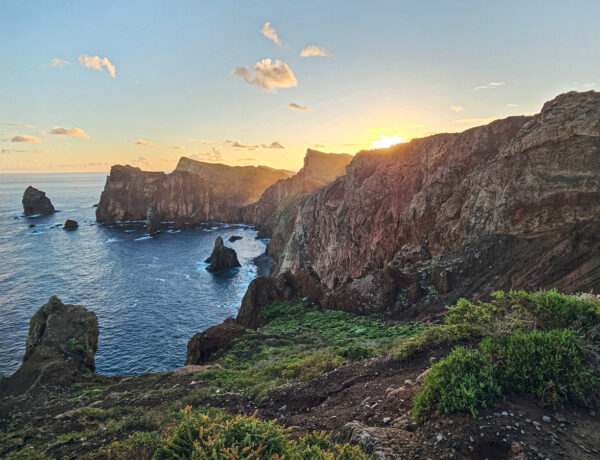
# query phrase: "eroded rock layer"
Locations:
[[193, 193], [512, 204]]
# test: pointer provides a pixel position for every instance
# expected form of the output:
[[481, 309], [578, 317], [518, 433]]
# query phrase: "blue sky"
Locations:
[[395, 70]]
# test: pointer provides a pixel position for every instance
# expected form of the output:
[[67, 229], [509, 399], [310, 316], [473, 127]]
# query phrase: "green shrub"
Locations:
[[225, 437], [434, 337], [463, 381], [139, 446], [548, 366], [74, 345], [27, 453]]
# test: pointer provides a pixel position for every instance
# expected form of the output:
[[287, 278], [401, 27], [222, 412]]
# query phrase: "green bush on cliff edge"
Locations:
[[530, 349]]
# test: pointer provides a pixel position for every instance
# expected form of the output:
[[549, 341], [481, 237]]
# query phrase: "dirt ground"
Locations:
[[367, 402]]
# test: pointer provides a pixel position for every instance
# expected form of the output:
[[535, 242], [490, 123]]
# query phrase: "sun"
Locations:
[[387, 141]]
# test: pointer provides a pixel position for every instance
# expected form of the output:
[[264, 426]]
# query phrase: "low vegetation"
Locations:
[[542, 345], [302, 342]]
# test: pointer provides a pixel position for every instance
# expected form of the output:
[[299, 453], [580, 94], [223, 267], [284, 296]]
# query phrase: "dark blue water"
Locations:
[[150, 294]]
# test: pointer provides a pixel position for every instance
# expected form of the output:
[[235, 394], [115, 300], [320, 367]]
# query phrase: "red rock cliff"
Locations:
[[513, 204], [194, 192]]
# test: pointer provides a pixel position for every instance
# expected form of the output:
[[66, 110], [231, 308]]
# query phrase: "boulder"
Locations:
[[61, 344], [36, 202], [70, 225], [222, 257], [208, 345], [233, 238], [152, 220]]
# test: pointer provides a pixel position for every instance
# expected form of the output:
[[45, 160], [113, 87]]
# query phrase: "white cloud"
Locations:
[[214, 154], [492, 84], [98, 63], [314, 50], [58, 62], [269, 32], [457, 108], [26, 139], [178, 147], [511, 106], [591, 85], [140, 161], [242, 145], [144, 143], [268, 75], [23, 151], [16, 125], [298, 107], [72, 132]]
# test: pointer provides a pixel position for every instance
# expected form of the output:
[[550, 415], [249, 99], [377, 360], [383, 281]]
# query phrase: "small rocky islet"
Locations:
[[350, 333]]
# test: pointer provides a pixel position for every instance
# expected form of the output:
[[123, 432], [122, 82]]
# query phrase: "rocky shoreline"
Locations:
[[341, 337]]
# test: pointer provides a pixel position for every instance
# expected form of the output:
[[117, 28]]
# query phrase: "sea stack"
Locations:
[[36, 202], [70, 225], [222, 257], [60, 345], [152, 220]]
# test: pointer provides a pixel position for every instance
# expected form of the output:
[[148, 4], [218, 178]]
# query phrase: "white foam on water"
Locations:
[[111, 240], [141, 238]]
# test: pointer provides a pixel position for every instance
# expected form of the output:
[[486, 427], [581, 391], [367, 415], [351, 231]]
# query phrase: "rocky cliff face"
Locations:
[[61, 343], [276, 207], [194, 192], [512, 204]]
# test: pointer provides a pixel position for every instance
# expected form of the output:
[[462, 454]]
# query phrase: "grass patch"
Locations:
[[301, 343], [220, 436]]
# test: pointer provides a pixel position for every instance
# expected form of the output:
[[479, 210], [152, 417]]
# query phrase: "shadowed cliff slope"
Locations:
[[508, 205]]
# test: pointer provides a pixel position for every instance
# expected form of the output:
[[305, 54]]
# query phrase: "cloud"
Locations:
[[476, 121], [511, 105], [72, 132], [298, 107], [492, 84], [203, 141], [457, 108], [16, 125], [98, 63], [268, 75], [242, 145], [269, 32], [144, 143], [319, 146], [58, 62], [272, 145], [23, 151], [591, 85], [26, 139], [140, 161], [178, 147], [214, 154], [314, 50]]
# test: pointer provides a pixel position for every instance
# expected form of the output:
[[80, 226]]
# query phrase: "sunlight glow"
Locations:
[[387, 141]]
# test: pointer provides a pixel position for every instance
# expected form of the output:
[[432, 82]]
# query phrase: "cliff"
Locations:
[[194, 192], [275, 208], [513, 204]]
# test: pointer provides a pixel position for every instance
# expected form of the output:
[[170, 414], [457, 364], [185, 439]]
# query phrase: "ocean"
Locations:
[[151, 294]]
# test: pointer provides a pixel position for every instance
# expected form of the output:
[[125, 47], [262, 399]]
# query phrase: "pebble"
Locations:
[[284, 407], [439, 437], [505, 413], [546, 419], [387, 420]]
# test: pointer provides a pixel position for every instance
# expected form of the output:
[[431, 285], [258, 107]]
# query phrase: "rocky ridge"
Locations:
[[410, 228], [195, 192]]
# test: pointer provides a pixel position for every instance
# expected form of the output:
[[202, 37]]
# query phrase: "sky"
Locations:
[[88, 84]]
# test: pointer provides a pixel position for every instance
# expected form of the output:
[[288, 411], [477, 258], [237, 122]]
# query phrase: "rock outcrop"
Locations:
[[222, 257], [276, 206], [60, 345], [70, 225], [36, 202], [207, 346], [152, 220], [513, 204], [193, 193]]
